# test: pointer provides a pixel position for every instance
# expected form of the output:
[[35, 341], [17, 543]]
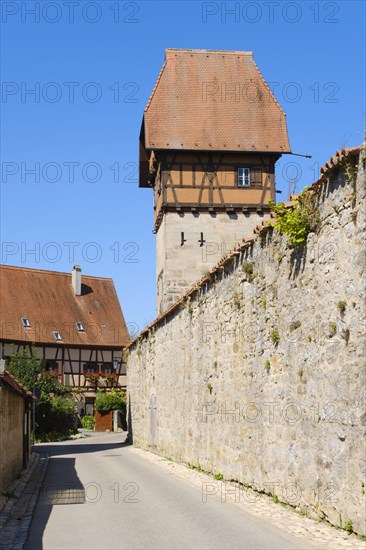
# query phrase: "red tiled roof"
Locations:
[[213, 100], [48, 301], [15, 385]]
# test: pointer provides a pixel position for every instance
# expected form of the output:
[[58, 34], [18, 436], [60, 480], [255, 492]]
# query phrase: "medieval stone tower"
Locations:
[[211, 134]]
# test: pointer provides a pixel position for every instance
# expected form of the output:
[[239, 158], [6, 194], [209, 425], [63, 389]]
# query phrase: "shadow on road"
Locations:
[[71, 447], [68, 490], [61, 485]]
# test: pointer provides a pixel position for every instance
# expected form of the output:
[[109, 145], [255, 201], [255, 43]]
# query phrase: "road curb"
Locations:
[[22, 535], [18, 490]]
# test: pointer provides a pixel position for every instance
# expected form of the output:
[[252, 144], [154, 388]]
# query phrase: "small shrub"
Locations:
[[236, 300], [267, 364], [264, 303], [210, 388], [55, 415], [332, 329], [114, 400], [219, 477], [342, 307], [275, 335], [279, 258], [275, 499], [348, 527], [297, 222], [87, 422], [249, 271], [188, 306], [300, 372]]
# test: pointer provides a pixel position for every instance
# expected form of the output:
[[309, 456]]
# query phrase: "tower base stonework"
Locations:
[[190, 244]]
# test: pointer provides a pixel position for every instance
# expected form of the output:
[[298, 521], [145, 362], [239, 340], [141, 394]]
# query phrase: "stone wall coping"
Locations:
[[336, 161]]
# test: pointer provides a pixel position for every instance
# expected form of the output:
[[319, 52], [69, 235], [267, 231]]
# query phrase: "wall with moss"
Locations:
[[260, 376]]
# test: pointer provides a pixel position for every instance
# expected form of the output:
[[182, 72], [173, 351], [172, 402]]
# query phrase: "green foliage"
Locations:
[[219, 477], [267, 364], [275, 335], [54, 412], [275, 499], [55, 436], [210, 388], [236, 299], [332, 329], [30, 371], [26, 369], [114, 400], [348, 526], [342, 305], [249, 271], [188, 306], [87, 422], [92, 377], [299, 220]]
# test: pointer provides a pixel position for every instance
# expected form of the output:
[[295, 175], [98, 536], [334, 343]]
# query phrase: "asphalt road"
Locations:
[[98, 494]]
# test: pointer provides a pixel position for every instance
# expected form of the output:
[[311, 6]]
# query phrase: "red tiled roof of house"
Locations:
[[15, 385], [213, 100], [48, 301]]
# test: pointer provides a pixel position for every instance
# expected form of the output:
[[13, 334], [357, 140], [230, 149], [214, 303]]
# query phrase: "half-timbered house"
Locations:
[[72, 321], [211, 134]]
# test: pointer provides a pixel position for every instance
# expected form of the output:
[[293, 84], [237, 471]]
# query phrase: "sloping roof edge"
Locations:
[[15, 385], [334, 162]]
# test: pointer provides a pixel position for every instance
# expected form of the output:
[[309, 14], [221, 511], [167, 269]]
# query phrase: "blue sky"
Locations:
[[93, 66]]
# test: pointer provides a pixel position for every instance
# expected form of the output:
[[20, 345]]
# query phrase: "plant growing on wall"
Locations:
[[249, 271], [275, 335], [299, 220], [342, 305]]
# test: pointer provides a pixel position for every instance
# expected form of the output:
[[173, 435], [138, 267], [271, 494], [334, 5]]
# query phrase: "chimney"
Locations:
[[76, 279]]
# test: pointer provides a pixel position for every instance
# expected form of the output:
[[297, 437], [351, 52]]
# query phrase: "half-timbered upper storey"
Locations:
[[211, 133], [73, 322]]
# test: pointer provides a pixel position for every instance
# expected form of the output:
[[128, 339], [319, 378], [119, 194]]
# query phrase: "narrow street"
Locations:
[[100, 494]]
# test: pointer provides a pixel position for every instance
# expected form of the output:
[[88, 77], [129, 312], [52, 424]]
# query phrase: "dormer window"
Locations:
[[26, 323], [57, 336], [80, 327], [243, 177]]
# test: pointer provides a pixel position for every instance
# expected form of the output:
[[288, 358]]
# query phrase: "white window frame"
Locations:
[[25, 321], [57, 336], [80, 327], [243, 177]]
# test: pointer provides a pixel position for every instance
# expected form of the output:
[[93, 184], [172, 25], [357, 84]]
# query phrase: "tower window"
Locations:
[[26, 323], [243, 177]]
